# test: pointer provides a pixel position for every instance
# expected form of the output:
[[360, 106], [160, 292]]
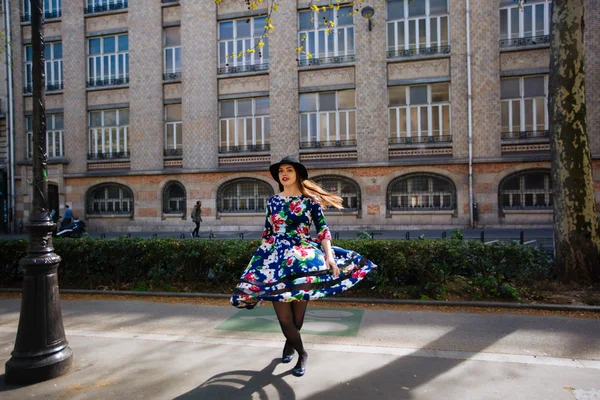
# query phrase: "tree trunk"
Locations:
[[576, 224]]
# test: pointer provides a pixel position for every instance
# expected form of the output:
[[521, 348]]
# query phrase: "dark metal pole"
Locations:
[[41, 349]]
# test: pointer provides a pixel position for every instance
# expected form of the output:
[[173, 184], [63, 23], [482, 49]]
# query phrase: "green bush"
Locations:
[[406, 268]]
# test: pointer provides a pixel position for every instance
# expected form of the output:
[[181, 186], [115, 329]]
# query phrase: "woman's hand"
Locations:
[[333, 266]]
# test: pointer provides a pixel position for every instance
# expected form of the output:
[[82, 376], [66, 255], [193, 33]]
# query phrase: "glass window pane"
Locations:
[[514, 21], [345, 99], [304, 20], [123, 42], [437, 7], [504, 24], [94, 46], [440, 92], [540, 114], [172, 37], [529, 115], [539, 20], [414, 122], [109, 44], [418, 95], [446, 119], [57, 50], [395, 9], [110, 118], [345, 16], [226, 30], [504, 116], [528, 21], [262, 106], [509, 88], [416, 8], [444, 31], [424, 122], [58, 122], [516, 116], [227, 109], [48, 51], [397, 95], [391, 36], [244, 108], [534, 86], [173, 112], [304, 127], [326, 101], [243, 28], [124, 117], [259, 25], [308, 102], [96, 118]]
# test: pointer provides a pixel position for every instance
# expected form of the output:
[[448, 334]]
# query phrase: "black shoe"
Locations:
[[300, 368]]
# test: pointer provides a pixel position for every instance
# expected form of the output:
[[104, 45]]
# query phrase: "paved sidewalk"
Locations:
[[139, 349]]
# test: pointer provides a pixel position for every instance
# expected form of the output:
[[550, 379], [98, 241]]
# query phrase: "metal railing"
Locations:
[[525, 41], [170, 1], [419, 51], [172, 76], [108, 156], [330, 143], [47, 15], [242, 68], [422, 139], [50, 87], [327, 60], [107, 82], [526, 135], [119, 5], [242, 149], [173, 152]]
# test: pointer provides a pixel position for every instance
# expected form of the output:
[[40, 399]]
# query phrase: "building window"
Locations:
[[326, 36], [244, 124], [53, 67], [174, 198], [242, 46], [243, 195], [421, 191], [524, 107], [419, 114], [327, 119], [110, 199], [526, 190], [108, 60], [94, 6], [109, 134], [52, 9], [172, 45], [173, 130], [346, 188], [525, 24], [54, 136], [417, 27]]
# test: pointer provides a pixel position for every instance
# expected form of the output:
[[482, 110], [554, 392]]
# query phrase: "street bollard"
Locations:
[[241, 235], [336, 236], [482, 237], [155, 236], [522, 238], [129, 235], [182, 236], [444, 235], [407, 235], [103, 236]]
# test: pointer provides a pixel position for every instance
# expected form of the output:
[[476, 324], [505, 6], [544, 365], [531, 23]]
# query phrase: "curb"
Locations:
[[438, 303]]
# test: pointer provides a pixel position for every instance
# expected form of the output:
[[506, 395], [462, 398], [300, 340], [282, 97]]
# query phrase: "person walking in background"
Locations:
[[290, 268], [68, 217], [197, 218]]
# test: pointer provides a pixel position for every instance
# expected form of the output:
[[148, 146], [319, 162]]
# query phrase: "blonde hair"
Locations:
[[312, 189]]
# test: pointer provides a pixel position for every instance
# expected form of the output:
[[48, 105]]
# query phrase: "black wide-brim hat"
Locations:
[[300, 169]]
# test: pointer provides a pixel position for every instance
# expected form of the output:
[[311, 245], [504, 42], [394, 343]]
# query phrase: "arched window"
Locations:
[[528, 189], [346, 188], [109, 199], [243, 195], [174, 198], [421, 191]]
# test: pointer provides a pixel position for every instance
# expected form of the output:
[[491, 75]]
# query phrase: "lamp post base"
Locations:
[[25, 370]]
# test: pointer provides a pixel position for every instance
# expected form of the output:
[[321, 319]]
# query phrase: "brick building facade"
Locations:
[[150, 115]]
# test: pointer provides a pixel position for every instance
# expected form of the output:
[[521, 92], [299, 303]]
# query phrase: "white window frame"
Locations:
[[397, 134], [232, 48], [547, 6], [309, 39], [115, 59], [106, 200], [239, 196], [523, 191], [52, 8], [105, 4], [54, 68], [256, 138], [523, 132], [175, 52], [104, 133], [53, 136], [28, 68], [177, 132], [408, 48], [419, 199], [315, 138]]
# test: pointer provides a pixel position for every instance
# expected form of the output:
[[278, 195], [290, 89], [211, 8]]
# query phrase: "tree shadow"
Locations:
[[244, 384]]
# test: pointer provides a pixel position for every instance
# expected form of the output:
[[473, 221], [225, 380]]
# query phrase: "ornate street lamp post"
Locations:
[[41, 349]]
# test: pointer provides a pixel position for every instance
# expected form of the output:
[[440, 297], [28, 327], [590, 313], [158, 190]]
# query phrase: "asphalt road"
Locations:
[[138, 349]]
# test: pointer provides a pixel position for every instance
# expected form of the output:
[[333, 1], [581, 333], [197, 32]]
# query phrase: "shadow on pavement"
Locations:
[[244, 384]]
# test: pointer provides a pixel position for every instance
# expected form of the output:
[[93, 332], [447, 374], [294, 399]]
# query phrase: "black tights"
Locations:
[[291, 318]]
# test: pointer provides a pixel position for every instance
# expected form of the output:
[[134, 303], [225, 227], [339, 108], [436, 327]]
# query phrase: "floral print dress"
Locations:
[[289, 257]]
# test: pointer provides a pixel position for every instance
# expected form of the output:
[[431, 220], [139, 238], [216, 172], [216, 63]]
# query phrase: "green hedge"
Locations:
[[407, 268]]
